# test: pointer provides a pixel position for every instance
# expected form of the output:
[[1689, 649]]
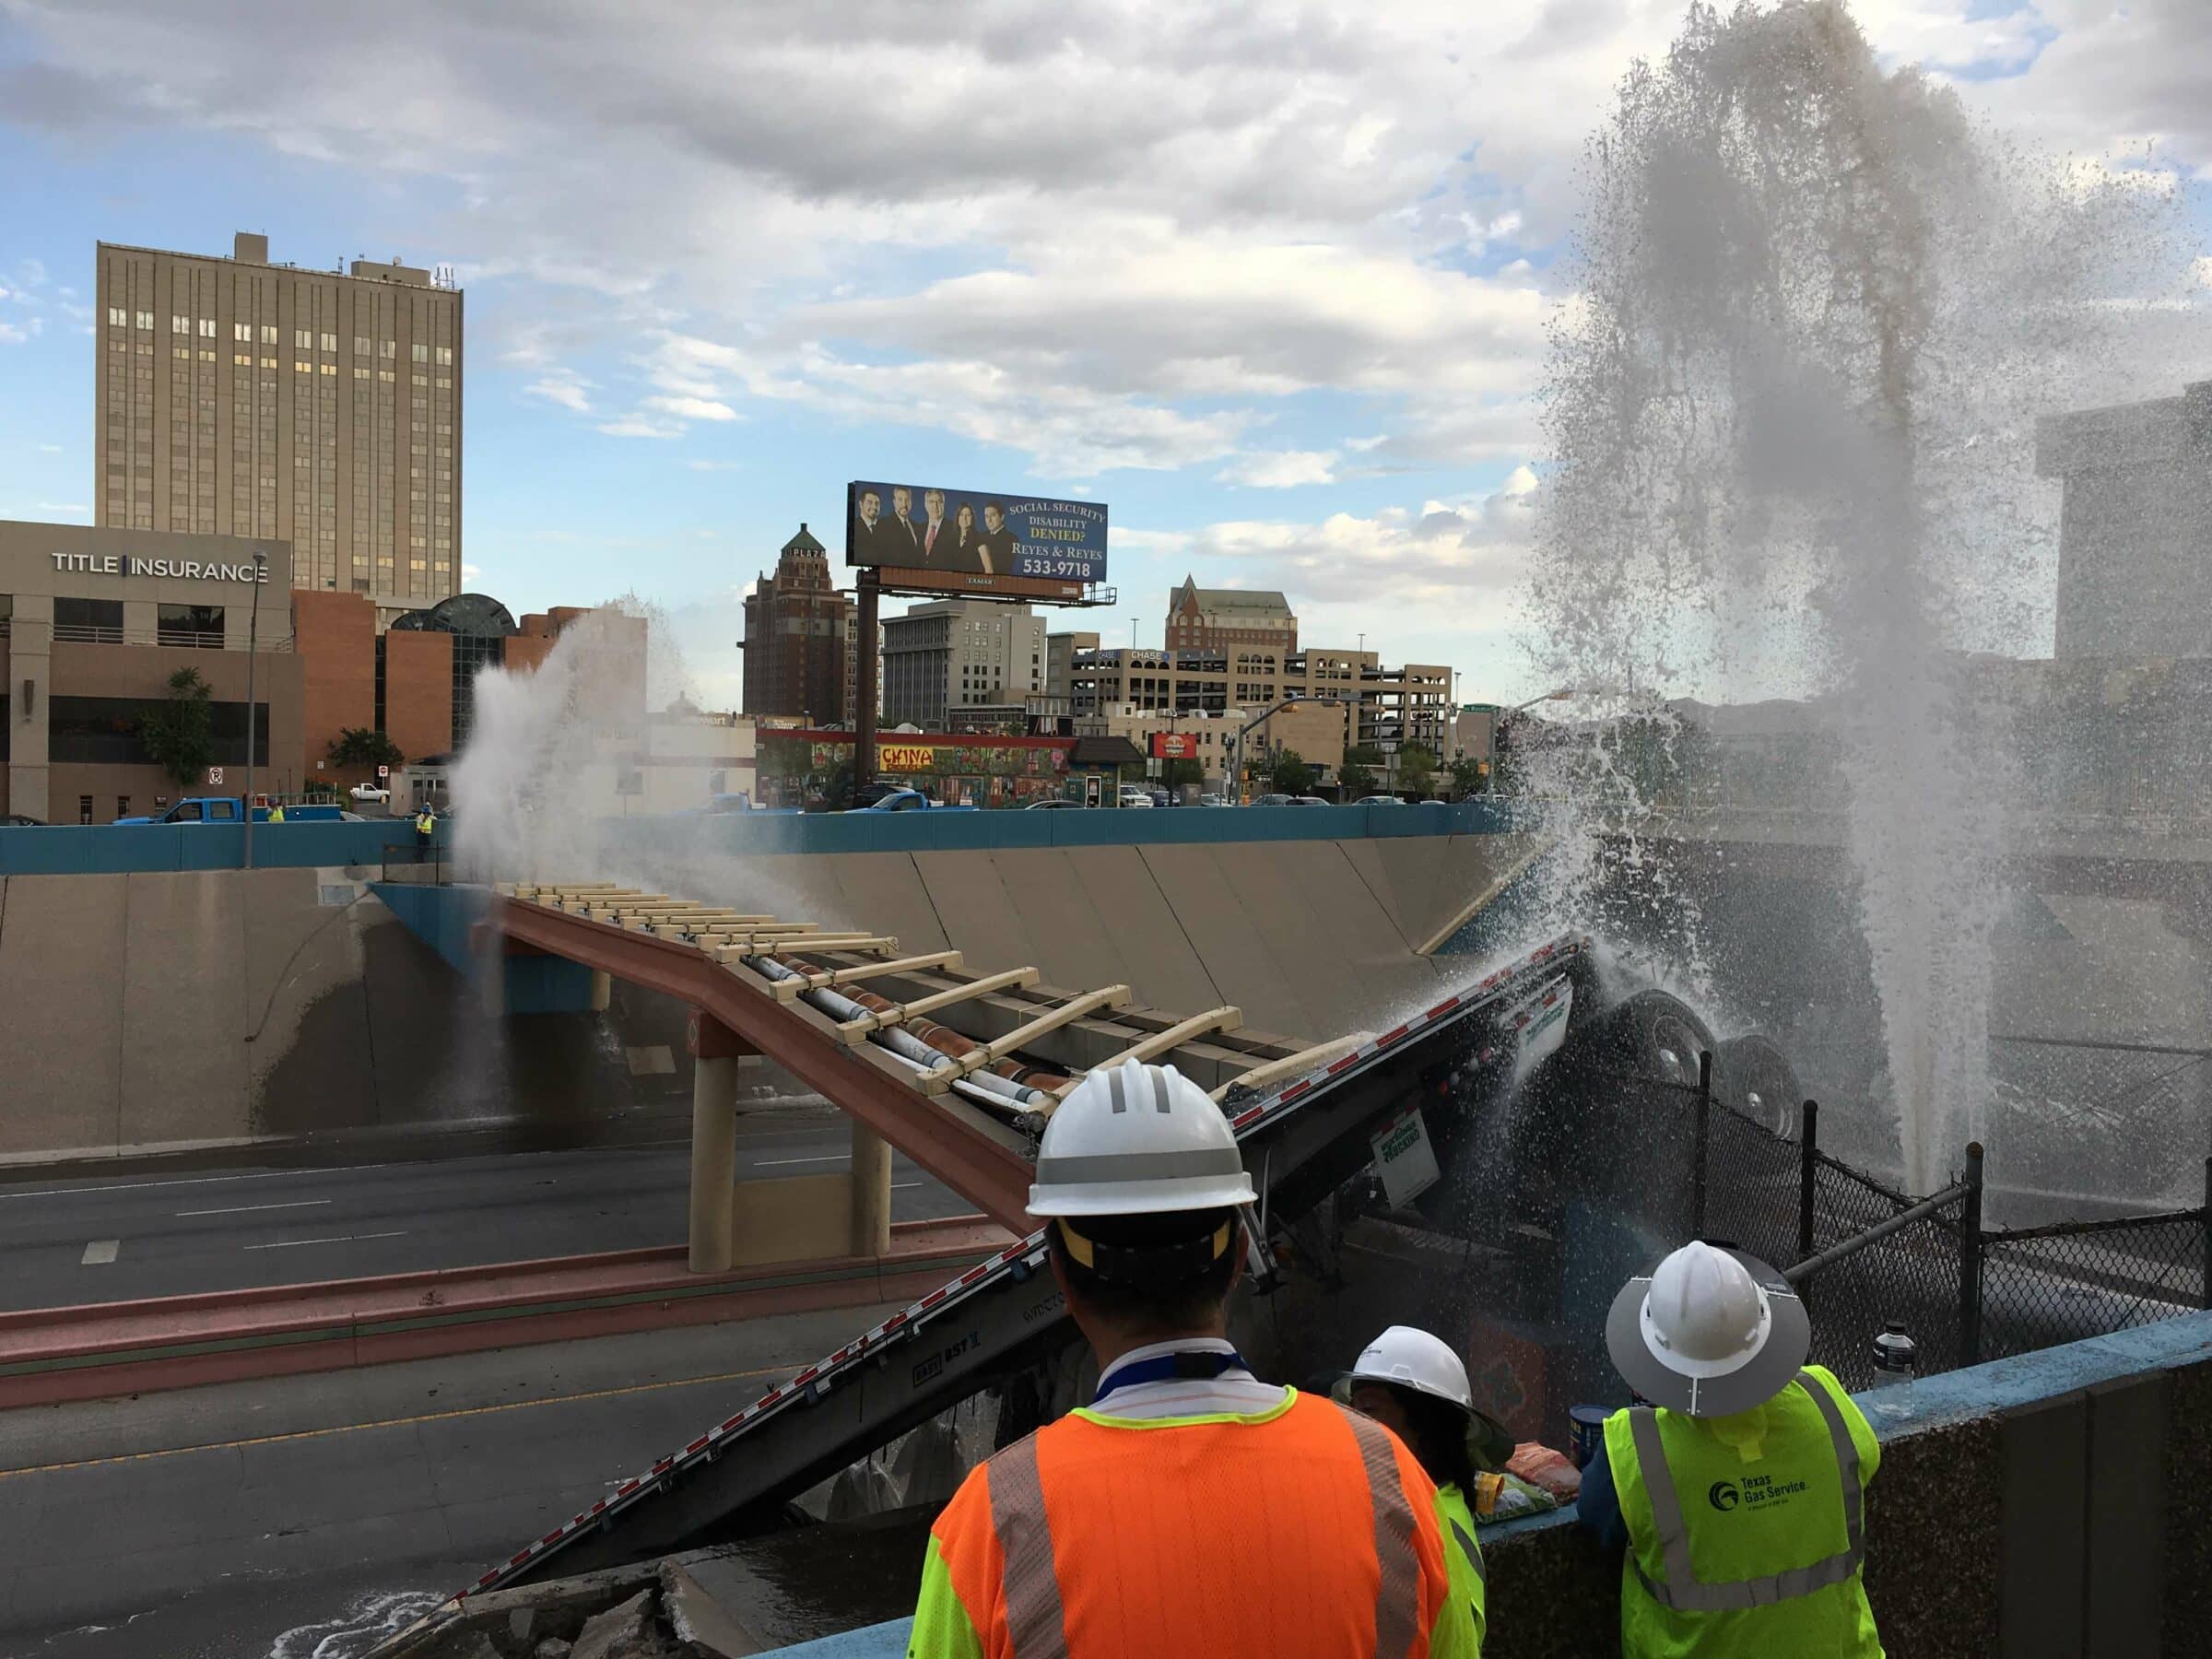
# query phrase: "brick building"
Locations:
[[1230, 620], [799, 647]]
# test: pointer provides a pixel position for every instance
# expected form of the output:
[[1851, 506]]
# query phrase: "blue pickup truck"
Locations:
[[232, 809], [911, 800]]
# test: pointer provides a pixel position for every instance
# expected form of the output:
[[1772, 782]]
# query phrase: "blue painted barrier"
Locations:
[[108, 849]]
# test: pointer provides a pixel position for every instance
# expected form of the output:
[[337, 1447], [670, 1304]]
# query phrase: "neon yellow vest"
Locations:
[[1747, 1532], [1463, 1555]]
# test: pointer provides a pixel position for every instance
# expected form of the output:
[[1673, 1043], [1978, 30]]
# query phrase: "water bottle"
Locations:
[[1894, 1357]]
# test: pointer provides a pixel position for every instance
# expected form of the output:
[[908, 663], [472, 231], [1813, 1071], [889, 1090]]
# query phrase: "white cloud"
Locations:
[[569, 390], [692, 408], [715, 465], [49, 449], [639, 426], [1281, 469], [70, 507], [12, 334]]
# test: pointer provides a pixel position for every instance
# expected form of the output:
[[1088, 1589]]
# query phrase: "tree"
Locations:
[[178, 733], [1467, 777], [1416, 768], [1289, 773], [365, 747], [1356, 777], [1185, 772]]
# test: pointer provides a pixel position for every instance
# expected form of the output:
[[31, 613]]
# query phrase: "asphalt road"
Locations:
[[302, 1516], [95, 1238]]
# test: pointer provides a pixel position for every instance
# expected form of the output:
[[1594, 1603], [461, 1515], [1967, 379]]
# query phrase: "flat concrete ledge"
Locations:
[[98, 1350]]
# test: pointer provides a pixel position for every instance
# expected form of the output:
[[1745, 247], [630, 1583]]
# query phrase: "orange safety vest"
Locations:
[[1311, 1533]]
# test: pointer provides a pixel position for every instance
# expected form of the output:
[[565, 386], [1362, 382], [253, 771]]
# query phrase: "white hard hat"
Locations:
[[1413, 1359], [1138, 1141], [1707, 1332]]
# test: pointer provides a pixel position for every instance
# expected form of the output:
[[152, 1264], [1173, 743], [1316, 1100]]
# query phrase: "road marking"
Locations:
[[903, 1186], [769, 1163], [241, 1209], [139, 1186], [427, 1416], [335, 1239], [101, 1252]]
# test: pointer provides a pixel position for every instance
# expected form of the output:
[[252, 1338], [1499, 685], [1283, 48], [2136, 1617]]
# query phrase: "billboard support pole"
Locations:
[[864, 717]]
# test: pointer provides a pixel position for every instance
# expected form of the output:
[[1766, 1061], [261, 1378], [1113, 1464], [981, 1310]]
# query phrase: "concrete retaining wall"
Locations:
[[163, 1009]]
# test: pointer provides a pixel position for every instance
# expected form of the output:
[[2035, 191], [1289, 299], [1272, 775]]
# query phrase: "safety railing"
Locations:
[[88, 633], [1863, 1253]]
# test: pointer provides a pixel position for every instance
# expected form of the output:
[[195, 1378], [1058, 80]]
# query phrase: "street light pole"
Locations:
[[1238, 782], [261, 567]]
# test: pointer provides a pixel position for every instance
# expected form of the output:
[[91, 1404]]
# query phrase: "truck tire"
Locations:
[[1761, 1084], [1654, 1035]]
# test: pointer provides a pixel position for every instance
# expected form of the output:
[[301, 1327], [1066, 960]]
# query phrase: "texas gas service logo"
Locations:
[[1722, 1495]]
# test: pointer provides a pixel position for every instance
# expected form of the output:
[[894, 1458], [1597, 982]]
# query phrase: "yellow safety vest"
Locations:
[[1747, 1532], [1463, 1555]]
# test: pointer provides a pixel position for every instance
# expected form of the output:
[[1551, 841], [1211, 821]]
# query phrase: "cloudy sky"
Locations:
[[1270, 280]]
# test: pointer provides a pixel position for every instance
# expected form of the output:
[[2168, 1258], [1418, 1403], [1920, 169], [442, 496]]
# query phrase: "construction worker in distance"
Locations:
[[277, 813], [1737, 1490], [1190, 1508], [426, 826], [1412, 1384]]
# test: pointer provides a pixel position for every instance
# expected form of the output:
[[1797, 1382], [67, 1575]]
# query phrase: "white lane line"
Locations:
[[139, 1186], [241, 1209], [900, 1186], [769, 1163], [101, 1252], [340, 1239]]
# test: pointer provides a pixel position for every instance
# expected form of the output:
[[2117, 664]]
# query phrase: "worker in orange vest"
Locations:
[[1190, 1508]]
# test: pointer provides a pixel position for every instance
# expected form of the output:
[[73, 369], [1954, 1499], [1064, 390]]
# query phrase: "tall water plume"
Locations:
[[1817, 311]]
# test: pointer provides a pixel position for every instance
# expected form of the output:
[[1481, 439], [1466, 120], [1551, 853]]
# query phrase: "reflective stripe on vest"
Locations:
[[1682, 1591], [1467, 1547], [1036, 1617], [1398, 1588], [1036, 1623]]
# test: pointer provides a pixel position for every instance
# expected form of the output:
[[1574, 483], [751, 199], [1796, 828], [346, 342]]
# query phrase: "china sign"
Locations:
[[968, 538], [905, 756], [1174, 746]]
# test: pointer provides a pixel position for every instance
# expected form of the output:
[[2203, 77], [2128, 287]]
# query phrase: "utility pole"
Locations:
[[864, 716], [260, 566]]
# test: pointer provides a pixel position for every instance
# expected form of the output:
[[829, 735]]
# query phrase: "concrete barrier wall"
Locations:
[[165, 1009]]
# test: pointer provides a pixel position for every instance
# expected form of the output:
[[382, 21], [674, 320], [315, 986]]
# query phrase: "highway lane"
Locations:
[[290, 1516], [92, 1240]]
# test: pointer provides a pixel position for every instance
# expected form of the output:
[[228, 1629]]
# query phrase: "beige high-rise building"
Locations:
[[244, 398]]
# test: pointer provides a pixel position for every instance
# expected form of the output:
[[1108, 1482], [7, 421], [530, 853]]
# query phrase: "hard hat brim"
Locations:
[[1149, 1198], [1763, 1374]]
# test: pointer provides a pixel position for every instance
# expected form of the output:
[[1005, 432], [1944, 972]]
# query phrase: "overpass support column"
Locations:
[[870, 1192], [715, 1049]]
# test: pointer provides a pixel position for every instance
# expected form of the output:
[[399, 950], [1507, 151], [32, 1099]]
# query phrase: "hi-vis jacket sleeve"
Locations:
[[942, 1628]]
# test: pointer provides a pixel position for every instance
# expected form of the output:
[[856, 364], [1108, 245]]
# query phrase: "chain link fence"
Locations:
[[1681, 1162]]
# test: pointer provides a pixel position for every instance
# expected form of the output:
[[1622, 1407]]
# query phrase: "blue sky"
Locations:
[[1273, 284]]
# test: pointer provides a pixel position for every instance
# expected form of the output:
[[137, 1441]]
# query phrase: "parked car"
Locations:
[[1210, 799], [1307, 801], [1271, 800], [371, 792], [1132, 796], [1379, 800], [20, 820], [725, 805], [230, 809], [1056, 804]]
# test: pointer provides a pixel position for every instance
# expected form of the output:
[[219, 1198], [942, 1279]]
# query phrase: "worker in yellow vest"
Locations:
[[1191, 1507], [1414, 1385], [1737, 1490], [277, 813]]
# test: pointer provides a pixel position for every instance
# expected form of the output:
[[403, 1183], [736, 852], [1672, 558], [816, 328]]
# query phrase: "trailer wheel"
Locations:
[[1654, 1035], [1761, 1084]]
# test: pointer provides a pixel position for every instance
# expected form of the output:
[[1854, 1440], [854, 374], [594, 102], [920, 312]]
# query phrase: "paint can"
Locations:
[[1585, 1432]]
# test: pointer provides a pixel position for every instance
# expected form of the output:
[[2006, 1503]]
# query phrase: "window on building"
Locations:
[[207, 328], [304, 338], [146, 321], [117, 317], [180, 325], [420, 352], [445, 354], [243, 331], [84, 810], [96, 621], [268, 334], [387, 348]]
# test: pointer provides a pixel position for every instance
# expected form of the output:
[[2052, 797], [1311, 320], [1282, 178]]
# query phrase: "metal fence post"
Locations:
[[1808, 1166], [2204, 1221], [1970, 1261], [1704, 1149]]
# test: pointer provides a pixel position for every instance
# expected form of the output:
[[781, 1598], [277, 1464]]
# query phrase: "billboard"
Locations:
[[1174, 746], [975, 540]]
